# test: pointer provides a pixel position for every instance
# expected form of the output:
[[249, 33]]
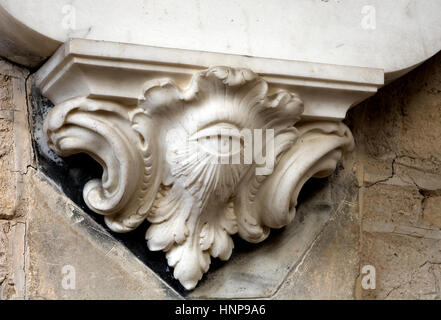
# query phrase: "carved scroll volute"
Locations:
[[159, 163], [121, 145], [262, 204]]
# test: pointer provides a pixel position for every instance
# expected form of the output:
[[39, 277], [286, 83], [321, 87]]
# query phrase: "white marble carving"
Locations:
[[158, 121], [156, 164]]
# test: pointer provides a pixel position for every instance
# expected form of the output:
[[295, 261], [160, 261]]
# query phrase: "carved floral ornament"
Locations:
[[220, 157]]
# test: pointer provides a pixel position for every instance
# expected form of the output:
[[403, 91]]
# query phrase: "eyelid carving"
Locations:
[[216, 137], [218, 129]]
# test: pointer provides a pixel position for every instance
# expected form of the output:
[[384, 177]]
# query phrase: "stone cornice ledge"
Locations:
[[118, 71], [158, 121]]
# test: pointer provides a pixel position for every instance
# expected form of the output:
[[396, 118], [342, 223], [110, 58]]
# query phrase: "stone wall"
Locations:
[[382, 208], [397, 163], [15, 160]]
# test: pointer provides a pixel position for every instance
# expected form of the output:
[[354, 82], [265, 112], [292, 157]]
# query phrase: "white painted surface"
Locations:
[[342, 32]]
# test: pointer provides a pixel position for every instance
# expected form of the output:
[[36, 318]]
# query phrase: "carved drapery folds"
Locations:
[[219, 157]]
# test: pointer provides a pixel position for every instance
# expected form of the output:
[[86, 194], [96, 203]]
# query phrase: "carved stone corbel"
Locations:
[[203, 156]]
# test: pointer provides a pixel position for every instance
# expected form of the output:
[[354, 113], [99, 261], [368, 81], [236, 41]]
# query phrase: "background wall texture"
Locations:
[[398, 166]]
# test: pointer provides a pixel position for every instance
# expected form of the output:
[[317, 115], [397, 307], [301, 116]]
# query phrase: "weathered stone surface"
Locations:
[[4, 261], [398, 165], [62, 237], [330, 267], [403, 119], [383, 204], [432, 211], [406, 266], [15, 156], [7, 187]]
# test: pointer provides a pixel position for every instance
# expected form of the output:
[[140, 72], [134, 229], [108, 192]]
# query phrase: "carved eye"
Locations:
[[222, 140]]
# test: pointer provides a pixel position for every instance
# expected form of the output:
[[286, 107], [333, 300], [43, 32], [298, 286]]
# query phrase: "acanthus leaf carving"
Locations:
[[165, 160]]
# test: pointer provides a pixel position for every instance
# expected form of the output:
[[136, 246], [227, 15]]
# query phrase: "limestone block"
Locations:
[[72, 257], [330, 267], [407, 267], [432, 211], [389, 204]]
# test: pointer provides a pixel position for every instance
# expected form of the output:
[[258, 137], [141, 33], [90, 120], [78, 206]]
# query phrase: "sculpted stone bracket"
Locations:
[[202, 145]]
